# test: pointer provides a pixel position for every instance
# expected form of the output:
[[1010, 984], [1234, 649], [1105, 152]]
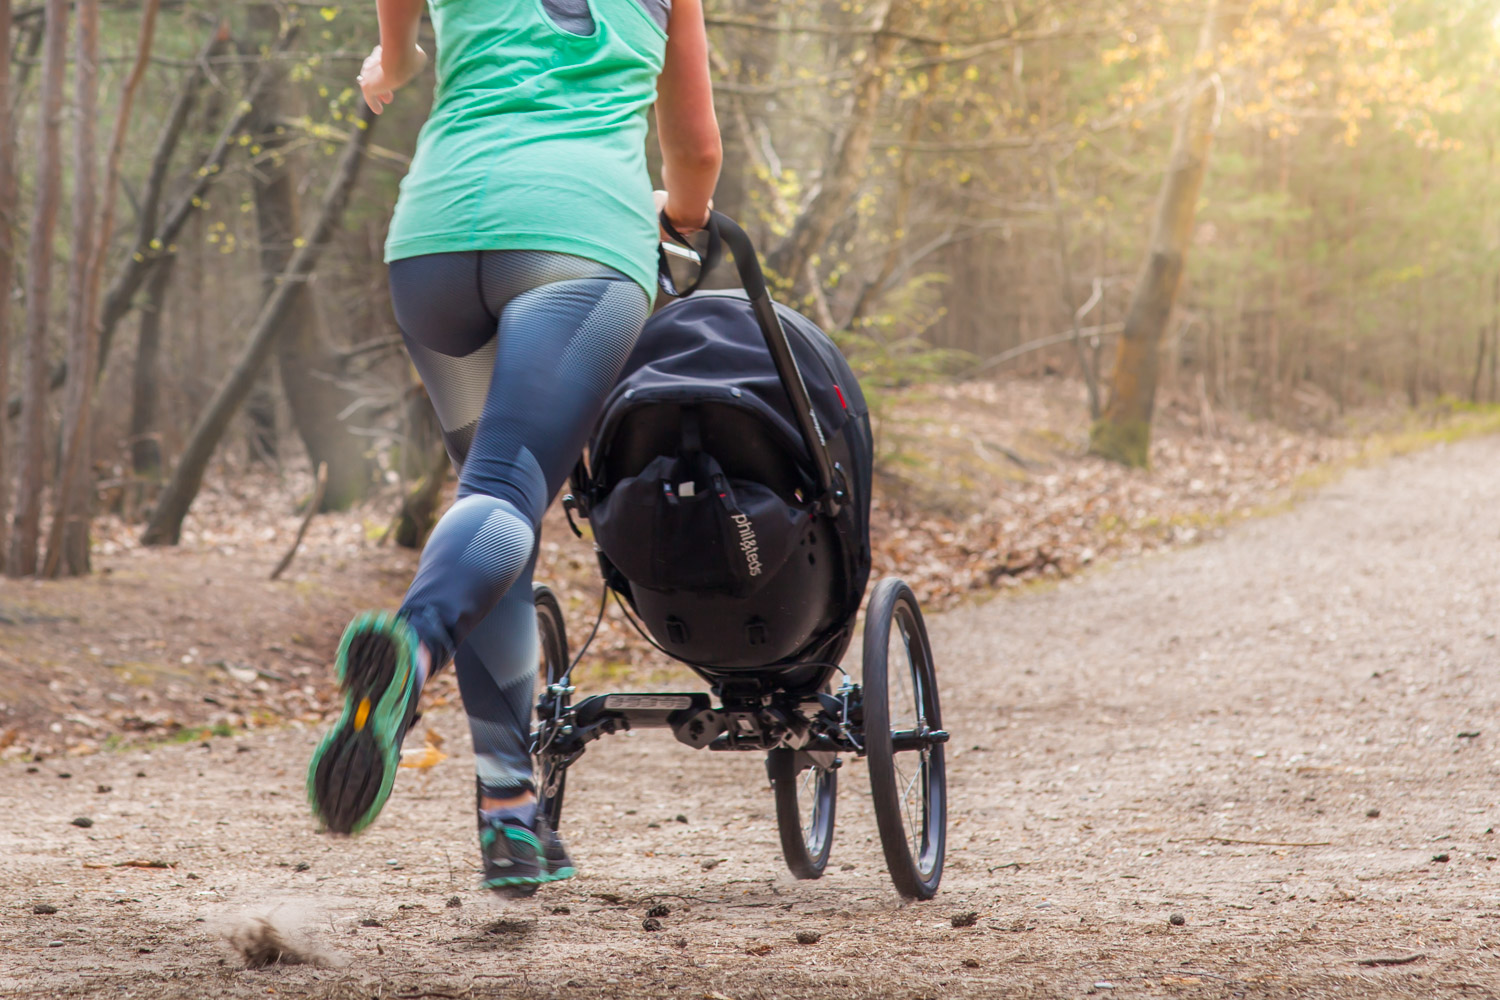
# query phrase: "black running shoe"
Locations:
[[554, 855], [518, 859], [353, 768]]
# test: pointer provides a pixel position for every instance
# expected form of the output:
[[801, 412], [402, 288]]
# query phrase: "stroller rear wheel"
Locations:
[[552, 634], [907, 779], [806, 795]]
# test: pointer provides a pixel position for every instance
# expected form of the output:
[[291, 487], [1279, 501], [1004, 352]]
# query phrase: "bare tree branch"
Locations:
[[165, 526]]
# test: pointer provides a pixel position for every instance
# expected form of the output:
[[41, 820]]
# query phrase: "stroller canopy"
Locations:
[[710, 348], [702, 490]]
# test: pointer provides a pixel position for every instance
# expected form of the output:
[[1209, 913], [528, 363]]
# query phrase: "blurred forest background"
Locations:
[[195, 204]]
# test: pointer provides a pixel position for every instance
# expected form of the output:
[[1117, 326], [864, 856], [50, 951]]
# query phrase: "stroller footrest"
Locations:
[[691, 717], [658, 711]]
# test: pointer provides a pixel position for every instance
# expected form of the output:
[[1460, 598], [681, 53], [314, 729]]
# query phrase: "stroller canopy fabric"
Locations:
[[709, 347]]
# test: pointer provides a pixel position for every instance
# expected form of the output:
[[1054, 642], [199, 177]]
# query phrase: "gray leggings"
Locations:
[[517, 350]]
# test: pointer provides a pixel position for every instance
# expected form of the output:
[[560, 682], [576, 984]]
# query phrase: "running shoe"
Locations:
[[554, 855], [351, 772], [518, 859]]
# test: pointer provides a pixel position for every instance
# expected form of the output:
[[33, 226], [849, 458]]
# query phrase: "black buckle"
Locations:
[[570, 504], [706, 260]]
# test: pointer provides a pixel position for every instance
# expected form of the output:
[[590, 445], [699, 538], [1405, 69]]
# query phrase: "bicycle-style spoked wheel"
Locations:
[[907, 778], [806, 796], [551, 774]]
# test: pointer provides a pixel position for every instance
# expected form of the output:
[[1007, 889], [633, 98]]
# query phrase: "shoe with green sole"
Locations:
[[352, 771], [518, 860]]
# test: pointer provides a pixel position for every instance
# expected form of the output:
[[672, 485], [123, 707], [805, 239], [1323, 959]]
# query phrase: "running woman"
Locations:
[[522, 257]]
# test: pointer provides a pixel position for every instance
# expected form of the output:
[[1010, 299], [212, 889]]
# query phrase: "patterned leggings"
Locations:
[[518, 350]]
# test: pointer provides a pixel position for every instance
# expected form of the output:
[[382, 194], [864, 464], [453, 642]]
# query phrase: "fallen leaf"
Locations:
[[422, 758]]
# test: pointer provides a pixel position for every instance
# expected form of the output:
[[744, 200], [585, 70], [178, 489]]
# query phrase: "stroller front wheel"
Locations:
[[908, 780], [806, 796], [552, 635]]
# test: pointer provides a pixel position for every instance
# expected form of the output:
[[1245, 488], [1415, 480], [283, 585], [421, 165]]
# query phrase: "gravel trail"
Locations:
[[1286, 735]]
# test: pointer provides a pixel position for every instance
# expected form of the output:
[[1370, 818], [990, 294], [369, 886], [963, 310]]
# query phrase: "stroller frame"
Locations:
[[805, 729]]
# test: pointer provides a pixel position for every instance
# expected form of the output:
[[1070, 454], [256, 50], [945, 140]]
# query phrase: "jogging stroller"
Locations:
[[728, 490]]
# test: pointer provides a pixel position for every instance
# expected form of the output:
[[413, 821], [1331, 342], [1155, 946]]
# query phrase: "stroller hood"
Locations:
[[701, 490], [710, 348]]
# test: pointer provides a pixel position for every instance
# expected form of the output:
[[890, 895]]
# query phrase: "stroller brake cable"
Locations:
[[566, 680], [567, 676]]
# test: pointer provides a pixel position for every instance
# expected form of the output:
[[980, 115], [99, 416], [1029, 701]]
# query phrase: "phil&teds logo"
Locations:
[[748, 544]]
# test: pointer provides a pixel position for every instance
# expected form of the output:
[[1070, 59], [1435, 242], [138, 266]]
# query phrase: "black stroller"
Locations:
[[728, 488]]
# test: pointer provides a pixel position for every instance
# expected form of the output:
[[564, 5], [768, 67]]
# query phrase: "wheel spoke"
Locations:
[[906, 803], [808, 803], [906, 703]]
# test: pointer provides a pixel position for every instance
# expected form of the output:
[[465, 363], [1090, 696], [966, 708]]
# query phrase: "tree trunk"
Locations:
[[419, 508], [68, 543], [1494, 338], [262, 444], [1075, 312], [8, 199], [309, 373], [29, 48], [1124, 432], [906, 183], [1478, 364], [143, 256], [748, 64], [145, 440], [839, 182], [130, 278], [165, 527], [27, 526], [70, 500]]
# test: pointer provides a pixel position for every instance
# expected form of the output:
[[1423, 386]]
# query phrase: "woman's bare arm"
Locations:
[[398, 57], [685, 124]]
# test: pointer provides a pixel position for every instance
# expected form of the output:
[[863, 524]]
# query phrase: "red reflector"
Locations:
[[841, 396]]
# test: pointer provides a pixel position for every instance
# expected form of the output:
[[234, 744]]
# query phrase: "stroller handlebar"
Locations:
[[724, 230]]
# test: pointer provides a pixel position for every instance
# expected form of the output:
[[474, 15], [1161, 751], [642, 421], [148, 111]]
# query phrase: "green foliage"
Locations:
[[887, 348]]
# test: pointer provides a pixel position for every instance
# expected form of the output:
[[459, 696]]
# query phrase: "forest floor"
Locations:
[[1280, 734], [980, 487]]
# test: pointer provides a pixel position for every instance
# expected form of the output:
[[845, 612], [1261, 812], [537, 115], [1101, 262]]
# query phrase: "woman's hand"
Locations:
[[677, 218], [382, 75]]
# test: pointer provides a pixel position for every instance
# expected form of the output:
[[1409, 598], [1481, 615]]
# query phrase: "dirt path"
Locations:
[[1313, 679]]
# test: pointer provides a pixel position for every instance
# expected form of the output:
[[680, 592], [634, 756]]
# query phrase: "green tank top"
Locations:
[[536, 139]]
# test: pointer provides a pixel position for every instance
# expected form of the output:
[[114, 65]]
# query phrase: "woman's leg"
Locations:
[[380, 664], [559, 349], [451, 308], [496, 668], [517, 351]]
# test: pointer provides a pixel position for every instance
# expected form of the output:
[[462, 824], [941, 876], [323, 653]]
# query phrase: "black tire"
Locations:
[[806, 799], [552, 634], [910, 793]]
